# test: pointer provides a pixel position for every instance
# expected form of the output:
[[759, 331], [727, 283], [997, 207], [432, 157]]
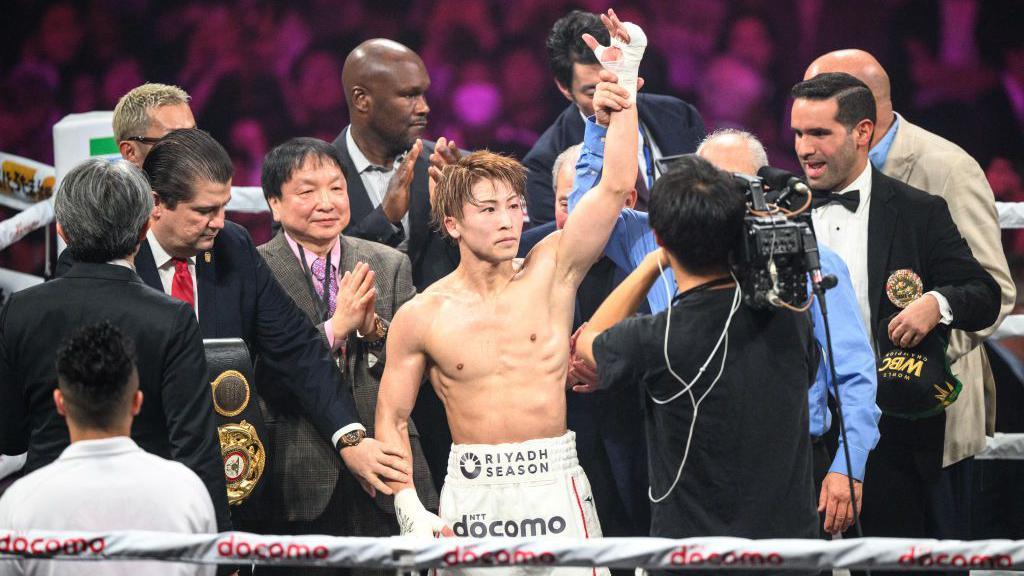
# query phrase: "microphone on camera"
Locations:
[[819, 281], [783, 182]]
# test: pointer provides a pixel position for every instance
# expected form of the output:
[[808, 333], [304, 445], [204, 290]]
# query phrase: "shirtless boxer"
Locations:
[[492, 337]]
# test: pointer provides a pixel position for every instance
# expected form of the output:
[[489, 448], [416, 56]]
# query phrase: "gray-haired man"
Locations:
[[147, 113], [103, 213]]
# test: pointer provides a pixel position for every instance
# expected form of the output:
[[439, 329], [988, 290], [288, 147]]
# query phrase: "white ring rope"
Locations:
[[404, 552]]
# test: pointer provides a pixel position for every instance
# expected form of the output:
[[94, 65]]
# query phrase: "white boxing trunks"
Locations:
[[526, 489]]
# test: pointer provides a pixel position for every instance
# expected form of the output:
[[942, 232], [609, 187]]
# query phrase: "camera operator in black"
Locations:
[[746, 471]]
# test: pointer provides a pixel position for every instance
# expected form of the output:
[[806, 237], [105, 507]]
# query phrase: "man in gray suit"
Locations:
[[350, 288]]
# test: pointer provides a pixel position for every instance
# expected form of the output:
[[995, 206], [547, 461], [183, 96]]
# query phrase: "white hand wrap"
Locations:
[[413, 518], [627, 66]]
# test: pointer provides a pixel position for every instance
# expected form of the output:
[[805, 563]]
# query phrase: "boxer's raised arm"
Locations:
[[587, 230]]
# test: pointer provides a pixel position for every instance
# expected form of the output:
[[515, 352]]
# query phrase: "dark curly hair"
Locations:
[[96, 374]]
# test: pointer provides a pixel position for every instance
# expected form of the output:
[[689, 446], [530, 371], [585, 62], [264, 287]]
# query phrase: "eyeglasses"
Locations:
[[143, 139]]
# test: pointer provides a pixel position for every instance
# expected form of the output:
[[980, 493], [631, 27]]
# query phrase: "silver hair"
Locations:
[[570, 155], [103, 206], [757, 151]]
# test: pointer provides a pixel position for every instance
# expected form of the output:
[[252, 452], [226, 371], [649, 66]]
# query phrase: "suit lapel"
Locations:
[[419, 205], [666, 135], [882, 221], [358, 199], [349, 255], [289, 274], [145, 266], [902, 153], [206, 277]]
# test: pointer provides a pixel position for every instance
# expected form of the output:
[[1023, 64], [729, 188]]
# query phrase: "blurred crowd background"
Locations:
[[261, 72]]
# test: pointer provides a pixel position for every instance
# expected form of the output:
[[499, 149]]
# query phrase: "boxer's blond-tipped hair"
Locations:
[[455, 188], [131, 115]]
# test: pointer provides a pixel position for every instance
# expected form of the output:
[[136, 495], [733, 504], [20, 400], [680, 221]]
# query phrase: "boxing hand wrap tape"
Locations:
[[413, 518], [627, 65]]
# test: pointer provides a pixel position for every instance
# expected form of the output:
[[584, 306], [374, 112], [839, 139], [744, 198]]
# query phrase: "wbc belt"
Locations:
[[240, 423]]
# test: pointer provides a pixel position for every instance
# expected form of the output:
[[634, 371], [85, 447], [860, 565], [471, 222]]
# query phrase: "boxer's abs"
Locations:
[[500, 409]]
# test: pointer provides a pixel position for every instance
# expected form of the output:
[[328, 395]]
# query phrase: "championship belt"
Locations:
[[240, 424]]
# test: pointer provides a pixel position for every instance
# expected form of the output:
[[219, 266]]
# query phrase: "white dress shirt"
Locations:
[[108, 484], [165, 269], [846, 233], [374, 179]]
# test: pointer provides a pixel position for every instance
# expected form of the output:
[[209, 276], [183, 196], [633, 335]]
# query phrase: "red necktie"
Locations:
[[181, 286]]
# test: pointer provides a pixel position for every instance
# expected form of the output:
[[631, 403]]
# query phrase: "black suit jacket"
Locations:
[[432, 256], [909, 228], [673, 125], [240, 298], [176, 420]]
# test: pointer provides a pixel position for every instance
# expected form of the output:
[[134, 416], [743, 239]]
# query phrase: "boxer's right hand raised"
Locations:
[[415, 520], [610, 97], [623, 57]]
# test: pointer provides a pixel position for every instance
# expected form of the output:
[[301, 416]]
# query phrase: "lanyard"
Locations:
[[701, 288], [321, 301]]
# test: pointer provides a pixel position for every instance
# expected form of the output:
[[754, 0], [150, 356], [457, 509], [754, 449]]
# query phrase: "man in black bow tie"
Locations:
[[891, 236]]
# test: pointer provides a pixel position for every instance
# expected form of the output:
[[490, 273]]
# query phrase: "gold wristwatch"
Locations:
[[380, 332], [349, 439]]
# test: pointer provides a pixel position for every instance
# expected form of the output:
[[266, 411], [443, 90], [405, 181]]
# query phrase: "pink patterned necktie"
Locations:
[[319, 272]]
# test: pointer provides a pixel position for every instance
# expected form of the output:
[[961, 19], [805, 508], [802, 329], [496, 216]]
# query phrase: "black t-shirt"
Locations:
[[748, 473]]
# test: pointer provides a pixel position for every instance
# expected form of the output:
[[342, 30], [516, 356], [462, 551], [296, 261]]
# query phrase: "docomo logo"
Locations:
[[460, 556], [694, 555], [923, 557], [511, 528], [12, 544], [242, 549]]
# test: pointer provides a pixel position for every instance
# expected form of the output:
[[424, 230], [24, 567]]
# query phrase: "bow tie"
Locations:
[[849, 200]]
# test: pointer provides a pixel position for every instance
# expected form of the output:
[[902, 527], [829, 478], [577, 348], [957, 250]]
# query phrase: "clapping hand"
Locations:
[[396, 200], [357, 296]]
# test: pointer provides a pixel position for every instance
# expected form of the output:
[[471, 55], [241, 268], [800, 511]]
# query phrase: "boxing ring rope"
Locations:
[[408, 553]]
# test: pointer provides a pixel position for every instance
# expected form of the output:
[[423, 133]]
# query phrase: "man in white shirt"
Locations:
[[891, 235], [103, 480]]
